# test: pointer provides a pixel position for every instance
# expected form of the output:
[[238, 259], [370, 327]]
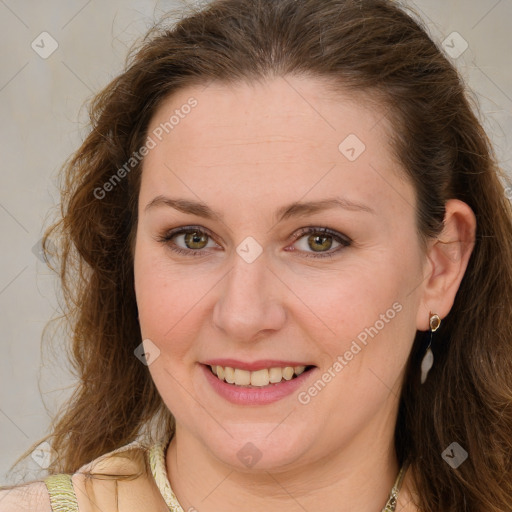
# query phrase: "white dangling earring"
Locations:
[[428, 358]]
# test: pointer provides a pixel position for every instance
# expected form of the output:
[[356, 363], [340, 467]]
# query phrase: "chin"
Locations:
[[261, 447]]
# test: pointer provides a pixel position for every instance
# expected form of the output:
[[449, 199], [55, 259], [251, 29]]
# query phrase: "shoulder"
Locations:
[[31, 497], [121, 474]]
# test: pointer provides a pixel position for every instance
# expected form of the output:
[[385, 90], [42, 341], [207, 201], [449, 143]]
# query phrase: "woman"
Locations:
[[286, 252]]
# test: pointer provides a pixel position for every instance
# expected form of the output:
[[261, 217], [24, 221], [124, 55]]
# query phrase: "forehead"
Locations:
[[287, 135]]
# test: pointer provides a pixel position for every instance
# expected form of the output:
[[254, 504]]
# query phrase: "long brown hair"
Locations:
[[366, 46]]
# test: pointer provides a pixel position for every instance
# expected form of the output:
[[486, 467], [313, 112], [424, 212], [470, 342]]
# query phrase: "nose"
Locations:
[[249, 304]]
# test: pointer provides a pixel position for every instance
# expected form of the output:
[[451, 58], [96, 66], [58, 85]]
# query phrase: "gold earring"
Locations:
[[428, 358], [435, 322]]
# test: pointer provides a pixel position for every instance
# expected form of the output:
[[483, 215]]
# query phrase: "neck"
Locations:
[[342, 481]]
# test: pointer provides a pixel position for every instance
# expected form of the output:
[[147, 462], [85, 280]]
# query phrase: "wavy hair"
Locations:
[[373, 47]]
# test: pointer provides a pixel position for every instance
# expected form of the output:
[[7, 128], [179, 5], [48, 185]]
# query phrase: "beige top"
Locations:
[[78, 492], [149, 491]]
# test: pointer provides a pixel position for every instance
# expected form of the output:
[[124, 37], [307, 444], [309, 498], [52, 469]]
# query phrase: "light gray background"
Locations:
[[42, 123]]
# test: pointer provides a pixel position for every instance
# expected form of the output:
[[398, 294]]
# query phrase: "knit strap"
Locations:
[[393, 496], [61, 492], [157, 464]]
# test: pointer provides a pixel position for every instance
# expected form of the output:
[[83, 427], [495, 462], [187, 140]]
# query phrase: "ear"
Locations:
[[447, 259]]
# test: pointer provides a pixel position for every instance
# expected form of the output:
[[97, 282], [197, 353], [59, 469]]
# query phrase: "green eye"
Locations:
[[196, 240], [319, 241], [317, 244]]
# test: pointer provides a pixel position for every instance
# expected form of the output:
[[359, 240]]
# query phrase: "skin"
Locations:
[[246, 150]]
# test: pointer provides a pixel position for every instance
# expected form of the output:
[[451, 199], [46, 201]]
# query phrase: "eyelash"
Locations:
[[342, 239]]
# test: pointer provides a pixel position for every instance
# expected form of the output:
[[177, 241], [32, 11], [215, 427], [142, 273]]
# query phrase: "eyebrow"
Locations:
[[295, 209]]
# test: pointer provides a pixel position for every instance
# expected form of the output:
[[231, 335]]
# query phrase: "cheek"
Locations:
[[354, 296], [370, 312], [160, 301], [171, 301]]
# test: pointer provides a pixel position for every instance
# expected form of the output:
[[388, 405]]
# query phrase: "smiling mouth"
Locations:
[[258, 378]]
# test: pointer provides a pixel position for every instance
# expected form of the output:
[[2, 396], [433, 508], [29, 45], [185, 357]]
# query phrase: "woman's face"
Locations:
[[252, 168]]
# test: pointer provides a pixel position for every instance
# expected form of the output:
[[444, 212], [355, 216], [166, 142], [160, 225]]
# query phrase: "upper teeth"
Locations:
[[259, 377]]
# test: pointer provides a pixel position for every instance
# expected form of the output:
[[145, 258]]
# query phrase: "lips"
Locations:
[[250, 383], [257, 378], [255, 365]]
